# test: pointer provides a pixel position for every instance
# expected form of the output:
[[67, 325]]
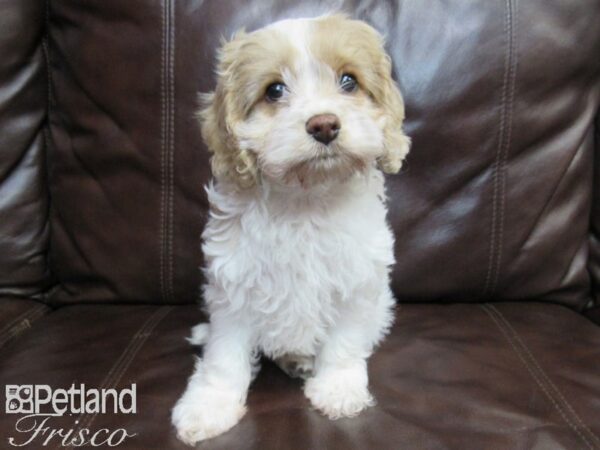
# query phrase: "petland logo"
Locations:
[[40, 404]]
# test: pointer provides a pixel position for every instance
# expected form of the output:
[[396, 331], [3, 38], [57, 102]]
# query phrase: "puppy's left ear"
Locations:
[[396, 143]]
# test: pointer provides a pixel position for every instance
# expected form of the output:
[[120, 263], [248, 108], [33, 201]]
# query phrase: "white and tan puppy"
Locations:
[[304, 118]]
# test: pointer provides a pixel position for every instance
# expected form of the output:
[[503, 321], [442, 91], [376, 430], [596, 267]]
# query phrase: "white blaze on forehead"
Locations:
[[296, 30], [307, 73], [297, 33]]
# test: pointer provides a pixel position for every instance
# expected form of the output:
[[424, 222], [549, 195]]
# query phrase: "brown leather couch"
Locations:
[[496, 214]]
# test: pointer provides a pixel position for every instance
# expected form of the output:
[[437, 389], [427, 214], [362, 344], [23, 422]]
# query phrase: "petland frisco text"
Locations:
[[38, 405]]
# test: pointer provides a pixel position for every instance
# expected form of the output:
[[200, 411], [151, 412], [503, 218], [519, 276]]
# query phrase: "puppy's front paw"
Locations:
[[339, 393], [205, 413]]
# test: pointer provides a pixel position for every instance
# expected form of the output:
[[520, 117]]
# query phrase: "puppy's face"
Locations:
[[303, 101]]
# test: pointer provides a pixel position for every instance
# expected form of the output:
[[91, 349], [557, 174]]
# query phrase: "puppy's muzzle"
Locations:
[[323, 127]]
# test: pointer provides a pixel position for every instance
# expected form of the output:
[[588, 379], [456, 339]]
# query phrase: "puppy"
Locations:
[[304, 119]]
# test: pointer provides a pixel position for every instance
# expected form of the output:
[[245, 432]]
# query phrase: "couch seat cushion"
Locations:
[[520, 375]]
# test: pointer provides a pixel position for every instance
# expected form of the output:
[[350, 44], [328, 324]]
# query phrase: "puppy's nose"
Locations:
[[323, 127]]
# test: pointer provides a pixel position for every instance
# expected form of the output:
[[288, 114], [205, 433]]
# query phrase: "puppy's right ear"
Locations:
[[219, 115], [397, 144]]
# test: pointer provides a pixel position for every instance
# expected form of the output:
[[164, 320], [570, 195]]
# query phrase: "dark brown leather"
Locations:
[[23, 188], [594, 259], [501, 110], [493, 376], [491, 202], [499, 199], [127, 209], [17, 316]]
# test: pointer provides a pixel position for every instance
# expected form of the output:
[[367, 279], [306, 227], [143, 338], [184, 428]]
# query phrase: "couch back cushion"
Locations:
[[23, 190], [493, 202], [594, 262]]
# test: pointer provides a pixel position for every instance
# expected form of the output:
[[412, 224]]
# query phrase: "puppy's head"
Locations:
[[304, 100]]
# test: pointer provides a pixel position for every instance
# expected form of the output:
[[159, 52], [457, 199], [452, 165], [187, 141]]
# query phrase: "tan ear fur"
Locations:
[[219, 115], [396, 144]]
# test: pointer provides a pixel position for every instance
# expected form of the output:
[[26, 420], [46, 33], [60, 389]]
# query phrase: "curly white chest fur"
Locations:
[[290, 264]]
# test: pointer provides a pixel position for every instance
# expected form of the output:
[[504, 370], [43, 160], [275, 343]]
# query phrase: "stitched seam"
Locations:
[[141, 337], [6, 328], [47, 138], [496, 164], [162, 153], [543, 374], [507, 139], [108, 377], [123, 362], [167, 149], [171, 146], [46, 50], [20, 323], [533, 374]]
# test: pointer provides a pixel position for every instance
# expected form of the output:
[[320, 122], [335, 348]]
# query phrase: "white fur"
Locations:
[[199, 334], [293, 270], [290, 272]]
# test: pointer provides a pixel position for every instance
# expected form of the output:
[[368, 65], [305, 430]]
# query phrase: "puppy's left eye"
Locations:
[[275, 91], [348, 83]]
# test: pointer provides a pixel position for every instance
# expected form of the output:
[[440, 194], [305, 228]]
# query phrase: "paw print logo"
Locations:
[[19, 399]]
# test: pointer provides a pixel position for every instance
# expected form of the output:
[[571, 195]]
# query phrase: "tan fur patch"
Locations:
[[250, 62]]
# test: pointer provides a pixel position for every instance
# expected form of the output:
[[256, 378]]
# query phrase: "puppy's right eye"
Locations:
[[275, 91]]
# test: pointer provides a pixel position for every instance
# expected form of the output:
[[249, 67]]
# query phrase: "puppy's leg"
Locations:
[[339, 387], [215, 398]]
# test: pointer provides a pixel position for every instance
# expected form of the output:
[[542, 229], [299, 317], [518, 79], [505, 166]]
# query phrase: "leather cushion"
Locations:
[[594, 259], [24, 222], [494, 200], [516, 375]]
